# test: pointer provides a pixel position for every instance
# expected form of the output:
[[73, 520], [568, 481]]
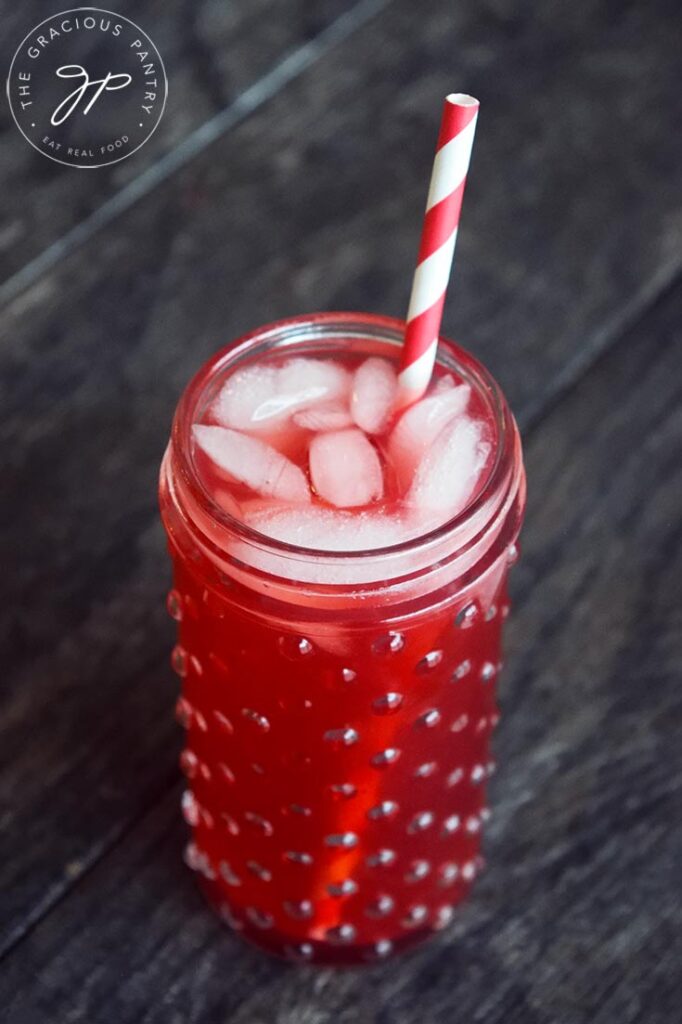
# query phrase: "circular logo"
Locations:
[[87, 87]]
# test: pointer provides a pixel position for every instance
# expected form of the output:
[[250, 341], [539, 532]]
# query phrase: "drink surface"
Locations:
[[336, 755], [312, 452]]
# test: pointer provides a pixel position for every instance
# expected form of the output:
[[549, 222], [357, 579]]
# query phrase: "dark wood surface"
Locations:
[[220, 63], [567, 284]]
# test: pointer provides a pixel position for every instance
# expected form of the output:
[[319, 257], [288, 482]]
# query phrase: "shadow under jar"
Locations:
[[338, 706]]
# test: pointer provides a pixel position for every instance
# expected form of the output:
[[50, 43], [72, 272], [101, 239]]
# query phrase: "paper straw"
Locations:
[[439, 235]]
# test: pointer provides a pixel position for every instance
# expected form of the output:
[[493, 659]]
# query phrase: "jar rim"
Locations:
[[324, 326]]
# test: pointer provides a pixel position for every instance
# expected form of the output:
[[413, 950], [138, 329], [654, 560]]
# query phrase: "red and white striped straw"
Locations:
[[437, 246]]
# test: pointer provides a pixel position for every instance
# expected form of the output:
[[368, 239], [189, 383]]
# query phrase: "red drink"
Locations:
[[338, 703]]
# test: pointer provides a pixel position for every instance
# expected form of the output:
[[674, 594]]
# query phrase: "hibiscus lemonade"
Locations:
[[339, 588]]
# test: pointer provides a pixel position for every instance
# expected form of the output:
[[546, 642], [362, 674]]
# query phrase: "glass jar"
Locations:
[[338, 706]]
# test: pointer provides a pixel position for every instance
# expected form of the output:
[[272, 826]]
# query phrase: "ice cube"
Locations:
[[260, 397], [252, 462], [227, 501], [322, 529], [447, 476], [242, 395], [418, 427], [345, 468], [374, 389], [307, 381], [326, 529], [326, 416]]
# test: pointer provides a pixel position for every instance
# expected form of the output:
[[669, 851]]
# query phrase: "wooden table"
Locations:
[[288, 175]]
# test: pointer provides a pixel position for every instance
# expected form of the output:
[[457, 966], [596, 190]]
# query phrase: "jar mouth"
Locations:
[[318, 329]]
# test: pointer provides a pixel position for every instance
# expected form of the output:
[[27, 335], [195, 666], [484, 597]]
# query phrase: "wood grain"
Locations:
[[578, 914], [314, 202], [212, 53]]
